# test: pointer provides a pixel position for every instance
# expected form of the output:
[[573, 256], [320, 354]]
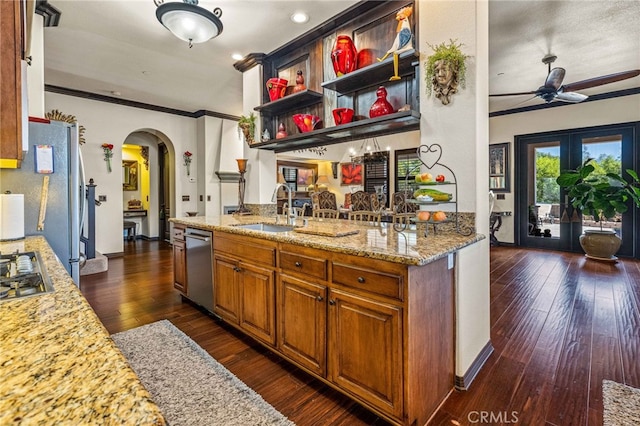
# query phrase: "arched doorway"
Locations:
[[153, 154]]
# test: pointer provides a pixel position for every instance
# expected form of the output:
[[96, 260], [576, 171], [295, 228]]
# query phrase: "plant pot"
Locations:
[[600, 245]]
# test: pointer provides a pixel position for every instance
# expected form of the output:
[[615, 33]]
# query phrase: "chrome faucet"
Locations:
[[290, 215]]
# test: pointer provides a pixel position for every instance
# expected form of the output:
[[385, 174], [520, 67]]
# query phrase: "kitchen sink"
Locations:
[[266, 227]]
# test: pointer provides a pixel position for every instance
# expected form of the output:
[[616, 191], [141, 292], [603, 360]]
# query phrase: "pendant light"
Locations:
[[188, 21]]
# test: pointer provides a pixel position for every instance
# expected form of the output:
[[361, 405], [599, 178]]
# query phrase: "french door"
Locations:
[[544, 217]]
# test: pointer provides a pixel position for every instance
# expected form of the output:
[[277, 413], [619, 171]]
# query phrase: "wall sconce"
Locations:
[[242, 168], [334, 169]]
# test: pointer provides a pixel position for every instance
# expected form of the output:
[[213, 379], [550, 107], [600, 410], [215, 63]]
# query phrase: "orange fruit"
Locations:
[[423, 215], [439, 216]]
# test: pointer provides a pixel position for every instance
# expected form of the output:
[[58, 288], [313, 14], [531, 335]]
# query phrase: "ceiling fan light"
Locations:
[[190, 22]]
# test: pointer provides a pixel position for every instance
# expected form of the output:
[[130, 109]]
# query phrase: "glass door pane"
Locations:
[[547, 220], [606, 152]]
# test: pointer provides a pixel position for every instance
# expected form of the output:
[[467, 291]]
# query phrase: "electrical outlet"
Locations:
[[102, 198], [201, 198], [185, 198]]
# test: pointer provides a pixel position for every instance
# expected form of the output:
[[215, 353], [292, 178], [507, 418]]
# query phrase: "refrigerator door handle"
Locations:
[[83, 193]]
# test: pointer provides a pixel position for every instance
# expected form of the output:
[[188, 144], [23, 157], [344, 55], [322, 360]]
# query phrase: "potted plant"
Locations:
[[445, 70], [602, 196], [248, 127]]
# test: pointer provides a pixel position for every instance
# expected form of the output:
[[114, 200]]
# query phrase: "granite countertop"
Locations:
[[379, 242], [58, 364]]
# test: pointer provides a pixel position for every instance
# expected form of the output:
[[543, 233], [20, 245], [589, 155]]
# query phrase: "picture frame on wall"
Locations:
[[351, 174], [499, 178]]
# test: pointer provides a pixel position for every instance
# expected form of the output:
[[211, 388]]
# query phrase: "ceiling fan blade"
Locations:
[[515, 94], [599, 81], [554, 79], [572, 97]]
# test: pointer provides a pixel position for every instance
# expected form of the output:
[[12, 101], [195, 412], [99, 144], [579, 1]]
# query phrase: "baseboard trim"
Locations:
[[463, 383]]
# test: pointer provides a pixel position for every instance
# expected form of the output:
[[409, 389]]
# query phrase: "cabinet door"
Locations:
[[365, 349], [302, 323], [179, 267], [10, 83], [225, 290], [257, 302]]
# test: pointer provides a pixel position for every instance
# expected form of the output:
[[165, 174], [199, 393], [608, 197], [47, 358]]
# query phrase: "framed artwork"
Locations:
[[129, 175], [351, 174], [305, 177], [499, 178]]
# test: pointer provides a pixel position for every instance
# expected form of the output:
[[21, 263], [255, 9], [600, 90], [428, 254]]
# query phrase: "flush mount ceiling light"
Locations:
[[299, 17], [188, 21]]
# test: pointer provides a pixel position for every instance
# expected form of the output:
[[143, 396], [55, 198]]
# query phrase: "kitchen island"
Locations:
[[59, 365], [365, 309]]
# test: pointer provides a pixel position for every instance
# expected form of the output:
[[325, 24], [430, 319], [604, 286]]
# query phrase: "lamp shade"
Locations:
[[281, 178], [322, 180], [190, 22]]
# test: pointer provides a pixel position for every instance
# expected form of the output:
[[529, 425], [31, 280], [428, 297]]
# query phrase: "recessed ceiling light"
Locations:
[[237, 56], [299, 17]]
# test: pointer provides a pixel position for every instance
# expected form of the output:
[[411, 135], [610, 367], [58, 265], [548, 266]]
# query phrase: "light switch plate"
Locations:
[[102, 198], [185, 198]]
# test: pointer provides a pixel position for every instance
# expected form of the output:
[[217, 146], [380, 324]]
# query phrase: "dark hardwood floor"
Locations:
[[559, 324]]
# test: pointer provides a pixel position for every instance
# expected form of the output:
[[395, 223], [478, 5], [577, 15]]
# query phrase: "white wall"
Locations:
[[110, 123], [505, 128], [461, 128]]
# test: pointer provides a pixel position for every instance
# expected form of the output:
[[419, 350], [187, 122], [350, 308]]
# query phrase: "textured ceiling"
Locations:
[[119, 46]]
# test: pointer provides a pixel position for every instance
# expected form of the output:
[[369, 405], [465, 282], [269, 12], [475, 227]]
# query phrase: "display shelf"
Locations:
[[372, 127], [429, 203], [290, 102], [374, 74], [434, 150]]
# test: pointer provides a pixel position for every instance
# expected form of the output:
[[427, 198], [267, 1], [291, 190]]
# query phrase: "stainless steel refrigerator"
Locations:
[[65, 197]]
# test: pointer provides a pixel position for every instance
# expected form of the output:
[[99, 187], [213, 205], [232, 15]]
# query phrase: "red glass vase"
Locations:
[[381, 106], [344, 56]]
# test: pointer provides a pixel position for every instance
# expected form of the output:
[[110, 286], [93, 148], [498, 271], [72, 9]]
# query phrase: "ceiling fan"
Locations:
[[553, 90]]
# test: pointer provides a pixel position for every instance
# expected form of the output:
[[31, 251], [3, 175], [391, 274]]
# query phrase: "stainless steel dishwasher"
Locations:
[[199, 267]]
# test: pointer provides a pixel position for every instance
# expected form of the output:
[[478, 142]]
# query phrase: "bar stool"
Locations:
[[130, 227]]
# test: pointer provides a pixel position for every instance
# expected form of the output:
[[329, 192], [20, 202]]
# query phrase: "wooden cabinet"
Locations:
[[11, 46], [365, 349], [179, 260], [378, 331], [244, 293]]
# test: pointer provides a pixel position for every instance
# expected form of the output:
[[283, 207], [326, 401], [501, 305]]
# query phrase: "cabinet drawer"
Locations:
[[306, 265], [246, 248], [367, 279], [178, 233]]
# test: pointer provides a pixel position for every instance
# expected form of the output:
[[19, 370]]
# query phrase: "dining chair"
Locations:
[[365, 216]]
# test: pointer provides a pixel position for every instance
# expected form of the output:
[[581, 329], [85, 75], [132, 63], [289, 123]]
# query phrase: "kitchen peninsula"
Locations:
[[365, 309], [59, 365]]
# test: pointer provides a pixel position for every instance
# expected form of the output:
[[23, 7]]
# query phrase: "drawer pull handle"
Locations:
[[319, 298], [332, 302], [298, 264], [361, 280]]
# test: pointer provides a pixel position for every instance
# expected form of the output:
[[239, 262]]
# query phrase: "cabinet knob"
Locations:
[[332, 302], [235, 268], [361, 280], [299, 264], [319, 298]]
